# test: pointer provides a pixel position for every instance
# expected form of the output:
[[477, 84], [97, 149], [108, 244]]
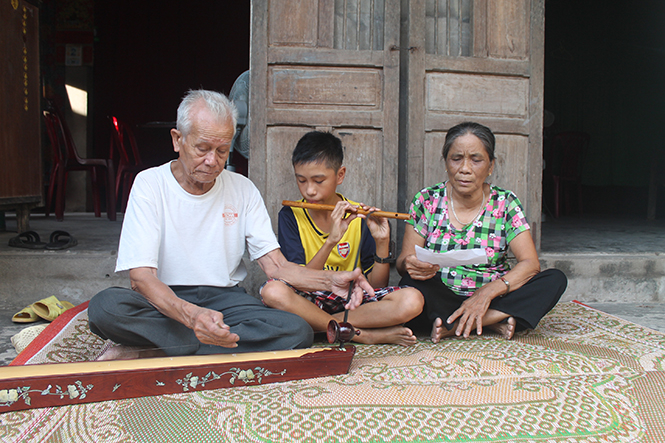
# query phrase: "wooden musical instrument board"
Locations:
[[38, 386]]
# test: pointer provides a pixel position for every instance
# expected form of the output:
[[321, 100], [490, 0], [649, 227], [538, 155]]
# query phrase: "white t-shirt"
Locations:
[[194, 240]]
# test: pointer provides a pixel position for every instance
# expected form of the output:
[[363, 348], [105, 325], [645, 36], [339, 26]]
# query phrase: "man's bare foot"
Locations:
[[122, 352], [396, 335], [505, 328]]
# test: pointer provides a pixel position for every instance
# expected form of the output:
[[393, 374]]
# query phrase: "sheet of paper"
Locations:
[[452, 258]]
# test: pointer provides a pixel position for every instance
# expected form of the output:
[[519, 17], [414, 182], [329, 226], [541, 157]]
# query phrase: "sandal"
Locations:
[[61, 240], [25, 315], [27, 240], [50, 308]]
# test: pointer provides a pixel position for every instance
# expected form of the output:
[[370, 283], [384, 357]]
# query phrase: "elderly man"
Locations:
[[183, 238]]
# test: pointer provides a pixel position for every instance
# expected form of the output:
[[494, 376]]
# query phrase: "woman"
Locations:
[[467, 213]]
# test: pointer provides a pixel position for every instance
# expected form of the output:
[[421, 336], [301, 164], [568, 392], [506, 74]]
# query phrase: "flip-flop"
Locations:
[[50, 308], [27, 240], [25, 315], [61, 240]]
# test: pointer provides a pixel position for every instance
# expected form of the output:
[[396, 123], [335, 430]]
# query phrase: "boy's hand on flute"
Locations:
[[341, 220], [322, 207], [378, 226]]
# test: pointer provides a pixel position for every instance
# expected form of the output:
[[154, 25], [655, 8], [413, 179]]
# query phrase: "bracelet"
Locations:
[[507, 286]]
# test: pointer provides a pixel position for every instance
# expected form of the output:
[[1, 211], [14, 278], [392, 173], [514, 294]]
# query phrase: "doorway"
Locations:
[[604, 70], [148, 54]]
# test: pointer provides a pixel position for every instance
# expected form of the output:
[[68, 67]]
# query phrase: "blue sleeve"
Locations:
[[367, 249], [289, 237]]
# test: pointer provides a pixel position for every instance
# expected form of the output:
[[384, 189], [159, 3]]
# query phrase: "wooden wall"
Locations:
[[440, 63], [20, 101]]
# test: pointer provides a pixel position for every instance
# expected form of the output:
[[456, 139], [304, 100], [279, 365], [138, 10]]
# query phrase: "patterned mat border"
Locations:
[[49, 334]]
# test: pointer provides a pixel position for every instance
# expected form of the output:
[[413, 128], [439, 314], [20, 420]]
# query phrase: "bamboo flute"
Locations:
[[320, 207]]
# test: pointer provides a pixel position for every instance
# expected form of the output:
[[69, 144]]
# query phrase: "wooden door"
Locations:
[[391, 89], [20, 113], [478, 60], [330, 65]]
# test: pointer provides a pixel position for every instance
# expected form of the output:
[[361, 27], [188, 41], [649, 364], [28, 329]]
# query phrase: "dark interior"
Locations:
[[604, 70], [144, 56]]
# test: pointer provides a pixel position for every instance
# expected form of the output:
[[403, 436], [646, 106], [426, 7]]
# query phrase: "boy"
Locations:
[[331, 240]]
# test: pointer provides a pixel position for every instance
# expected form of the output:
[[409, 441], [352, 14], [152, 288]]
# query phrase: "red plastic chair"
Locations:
[[569, 149], [123, 143], [65, 159]]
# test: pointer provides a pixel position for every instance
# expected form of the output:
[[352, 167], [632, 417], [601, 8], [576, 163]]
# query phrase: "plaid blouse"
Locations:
[[498, 224]]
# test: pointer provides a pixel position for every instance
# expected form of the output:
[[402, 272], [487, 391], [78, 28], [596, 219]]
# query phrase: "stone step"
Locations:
[[618, 277], [78, 273], [74, 277], [26, 277]]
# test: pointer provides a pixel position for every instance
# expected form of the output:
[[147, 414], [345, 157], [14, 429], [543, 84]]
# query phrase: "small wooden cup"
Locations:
[[342, 332]]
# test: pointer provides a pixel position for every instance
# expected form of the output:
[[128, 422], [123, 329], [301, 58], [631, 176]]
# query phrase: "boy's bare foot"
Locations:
[[396, 335], [122, 352], [505, 328]]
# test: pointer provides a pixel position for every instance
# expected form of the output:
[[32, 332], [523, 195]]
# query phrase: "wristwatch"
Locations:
[[390, 259], [391, 256]]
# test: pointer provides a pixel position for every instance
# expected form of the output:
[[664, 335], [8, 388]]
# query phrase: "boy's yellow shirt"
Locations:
[[311, 239]]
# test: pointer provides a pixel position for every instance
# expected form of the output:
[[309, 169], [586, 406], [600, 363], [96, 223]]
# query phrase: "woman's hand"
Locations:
[[407, 261], [471, 313], [419, 270]]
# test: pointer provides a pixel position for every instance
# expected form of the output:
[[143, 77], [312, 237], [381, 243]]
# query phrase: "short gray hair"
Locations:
[[218, 103]]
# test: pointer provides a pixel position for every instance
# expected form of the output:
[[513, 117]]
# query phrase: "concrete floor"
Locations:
[[602, 235], [26, 275]]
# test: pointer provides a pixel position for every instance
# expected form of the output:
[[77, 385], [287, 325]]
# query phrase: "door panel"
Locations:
[[472, 94], [326, 89], [20, 113], [328, 65], [475, 60]]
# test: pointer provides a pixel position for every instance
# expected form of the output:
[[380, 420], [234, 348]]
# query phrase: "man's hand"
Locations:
[[209, 327], [340, 287], [419, 270]]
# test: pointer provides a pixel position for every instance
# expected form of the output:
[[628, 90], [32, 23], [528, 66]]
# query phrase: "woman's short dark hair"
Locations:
[[319, 147], [483, 133]]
